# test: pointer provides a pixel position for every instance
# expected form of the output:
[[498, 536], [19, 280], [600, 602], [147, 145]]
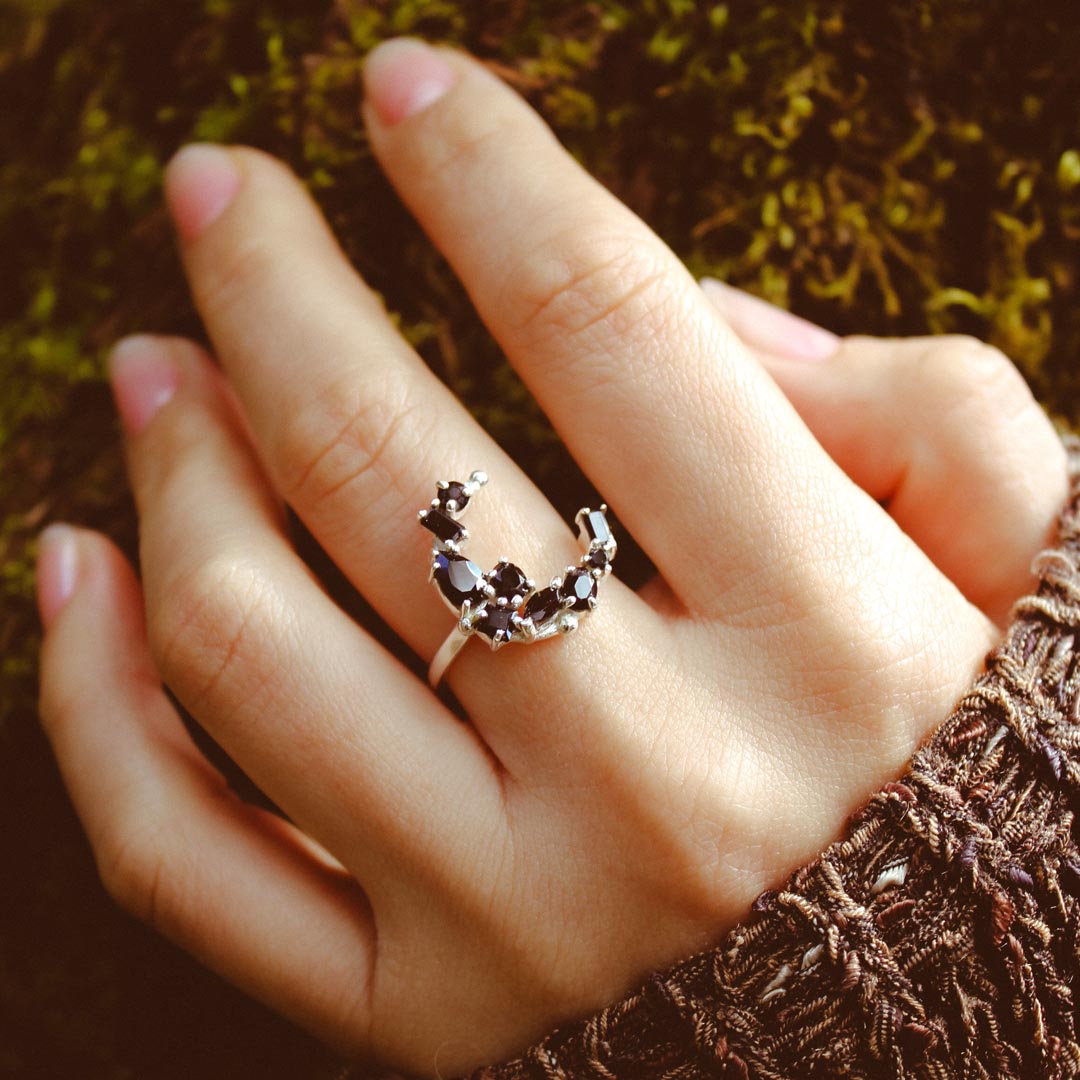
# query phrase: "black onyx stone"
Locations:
[[507, 580], [542, 606], [579, 586], [597, 559], [596, 526], [445, 528], [459, 579], [455, 492], [495, 619]]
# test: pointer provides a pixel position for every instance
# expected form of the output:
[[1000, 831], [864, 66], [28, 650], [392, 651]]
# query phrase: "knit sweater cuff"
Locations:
[[937, 939]]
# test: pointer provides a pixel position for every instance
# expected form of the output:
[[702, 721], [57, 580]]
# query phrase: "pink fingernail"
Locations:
[[200, 182], [57, 571], [768, 328], [404, 76], [144, 379]]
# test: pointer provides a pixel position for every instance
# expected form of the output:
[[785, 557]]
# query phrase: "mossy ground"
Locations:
[[890, 168]]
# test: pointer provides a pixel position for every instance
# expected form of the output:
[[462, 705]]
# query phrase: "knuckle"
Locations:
[[352, 437], [132, 866], [463, 146], [244, 266], [583, 281], [205, 632], [968, 375]]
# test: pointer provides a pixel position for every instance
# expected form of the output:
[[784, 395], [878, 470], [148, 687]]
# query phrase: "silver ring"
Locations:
[[503, 606]]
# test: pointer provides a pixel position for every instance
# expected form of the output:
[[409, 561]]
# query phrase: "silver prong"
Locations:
[[451, 506], [442, 485], [567, 623], [479, 478], [603, 508], [503, 559], [489, 591], [529, 585], [528, 628], [591, 602], [501, 602], [555, 583], [464, 533], [597, 572], [421, 514]]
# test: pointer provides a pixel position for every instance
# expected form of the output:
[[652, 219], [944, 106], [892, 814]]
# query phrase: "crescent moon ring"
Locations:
[[502, 605]]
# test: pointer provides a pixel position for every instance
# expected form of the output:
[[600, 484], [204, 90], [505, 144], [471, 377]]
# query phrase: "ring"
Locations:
[[503, 605]]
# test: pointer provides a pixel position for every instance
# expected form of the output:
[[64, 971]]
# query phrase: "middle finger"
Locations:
[[692, 443]]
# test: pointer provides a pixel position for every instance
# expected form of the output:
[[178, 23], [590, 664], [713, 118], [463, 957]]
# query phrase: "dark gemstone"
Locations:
[[507, 580], [579, 585], [597, 559], [454, 491], [445, 528], [459, 579], [596, 526], [542, 606], [495, 619]]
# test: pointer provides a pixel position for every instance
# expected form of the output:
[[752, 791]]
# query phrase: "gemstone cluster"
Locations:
[[503, 604]]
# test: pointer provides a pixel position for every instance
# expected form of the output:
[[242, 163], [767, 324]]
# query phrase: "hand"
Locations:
[[449, 891]]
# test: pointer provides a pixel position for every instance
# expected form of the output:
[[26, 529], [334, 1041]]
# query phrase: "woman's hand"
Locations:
[[450, 891]]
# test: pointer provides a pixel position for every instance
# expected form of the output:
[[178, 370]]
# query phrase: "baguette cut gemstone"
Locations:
[[596, 526], [580, 587], [541, 606], [444, 527], [459, 579], [453, 492]]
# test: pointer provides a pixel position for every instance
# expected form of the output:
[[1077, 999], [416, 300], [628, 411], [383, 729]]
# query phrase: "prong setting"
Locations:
[[503, 605]]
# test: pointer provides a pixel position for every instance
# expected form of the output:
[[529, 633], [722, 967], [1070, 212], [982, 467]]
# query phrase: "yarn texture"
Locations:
[[937, 940]]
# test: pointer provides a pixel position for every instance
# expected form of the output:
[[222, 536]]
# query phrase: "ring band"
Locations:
[[503, 605]]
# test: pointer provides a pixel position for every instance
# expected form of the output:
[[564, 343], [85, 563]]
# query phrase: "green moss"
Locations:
[[885, 168]]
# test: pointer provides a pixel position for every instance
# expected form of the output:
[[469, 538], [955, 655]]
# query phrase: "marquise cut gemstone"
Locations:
[[495, 619], [580, 587], [459, 579], [542, 606], [444, 527], [507, 580], [453, 492]]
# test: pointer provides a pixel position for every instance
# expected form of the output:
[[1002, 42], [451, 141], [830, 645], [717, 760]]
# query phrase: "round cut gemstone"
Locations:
[[459, 579], [493, 619], [598, 558], [507, 580], [453, 492], [580, 587], [542, 606]]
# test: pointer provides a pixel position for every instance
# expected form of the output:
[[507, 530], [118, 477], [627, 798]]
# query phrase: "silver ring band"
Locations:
[[502, 605]]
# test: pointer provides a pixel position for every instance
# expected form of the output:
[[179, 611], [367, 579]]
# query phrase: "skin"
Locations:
[[839, 527]]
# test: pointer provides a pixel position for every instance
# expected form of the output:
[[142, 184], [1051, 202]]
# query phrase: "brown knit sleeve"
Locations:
[[939, 939]]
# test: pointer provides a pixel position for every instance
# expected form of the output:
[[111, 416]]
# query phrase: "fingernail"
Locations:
[[57, 571], [200, 182], [770, 329], [404, 76], [144, 378]]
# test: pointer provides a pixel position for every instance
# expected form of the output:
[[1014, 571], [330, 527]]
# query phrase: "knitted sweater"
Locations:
[[939, 939]]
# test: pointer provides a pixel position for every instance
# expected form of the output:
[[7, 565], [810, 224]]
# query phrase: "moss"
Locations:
[[888, 168]]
